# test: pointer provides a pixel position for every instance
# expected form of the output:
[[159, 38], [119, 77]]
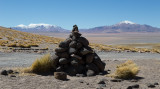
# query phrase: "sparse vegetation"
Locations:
[[126, 70], [42, 65], [15, 38], [129, 48]]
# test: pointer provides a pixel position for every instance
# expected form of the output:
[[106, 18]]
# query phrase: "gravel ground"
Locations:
[[26, 59], [149, 73]]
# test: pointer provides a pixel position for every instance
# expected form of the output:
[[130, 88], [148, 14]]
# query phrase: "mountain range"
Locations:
[[121, 27], [39, 28]]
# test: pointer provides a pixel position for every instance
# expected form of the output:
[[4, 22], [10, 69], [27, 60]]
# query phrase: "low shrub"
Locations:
[[42, 65], [127, 70]]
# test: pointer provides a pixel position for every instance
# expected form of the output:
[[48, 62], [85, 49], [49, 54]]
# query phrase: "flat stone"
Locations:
[[12, 76], [60, 75], [101, 82], [156, 83], [151, 85], [116, 80]]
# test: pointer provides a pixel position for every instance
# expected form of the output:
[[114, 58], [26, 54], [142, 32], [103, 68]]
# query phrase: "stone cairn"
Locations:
[[76, 58]]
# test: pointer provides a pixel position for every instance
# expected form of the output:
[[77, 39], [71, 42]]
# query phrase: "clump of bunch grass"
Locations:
[[126, 70], [42, 65]]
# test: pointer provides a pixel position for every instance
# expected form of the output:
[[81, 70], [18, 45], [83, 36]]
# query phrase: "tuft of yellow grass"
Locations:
[[126, 70], [42, 65]]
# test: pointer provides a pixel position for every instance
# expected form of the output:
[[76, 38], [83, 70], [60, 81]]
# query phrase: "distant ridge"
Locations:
[[121, 27], [124, 26], [39, 28]]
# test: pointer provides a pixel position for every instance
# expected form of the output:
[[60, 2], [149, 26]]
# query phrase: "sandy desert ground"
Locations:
[[149, 73]]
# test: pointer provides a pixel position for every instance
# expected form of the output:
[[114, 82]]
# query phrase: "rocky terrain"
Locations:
[[147, 77]]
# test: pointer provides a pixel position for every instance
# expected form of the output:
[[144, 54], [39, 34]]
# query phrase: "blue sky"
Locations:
[[84, 13]]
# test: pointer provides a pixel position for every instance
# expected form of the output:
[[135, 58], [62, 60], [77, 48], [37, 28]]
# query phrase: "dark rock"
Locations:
[[16, 72], [79, 45], [84, 41], [129, 87], [72, 51], [70, 36], [133, 86], [116, 80], [156, 83], [76, 34], [76, 56], [80, 75], [12, 76], [10, 71], [63, 44], [101, 82], [60, 75], [63, 61], [93, 67], [89, 58], [90, 73], [73, 44], [74, 38], [71, 71], [59, 69], [85, 51], [74, 62], [4, 72], [99, 64], [87, 83], [99, 88], [68, 40], [151, 85], [65, 66], [63, 55], [80, 80], [60, 49], [81, 69], [55, 59]]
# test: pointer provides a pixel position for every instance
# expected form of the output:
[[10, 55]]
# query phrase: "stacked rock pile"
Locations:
[[75, 57]]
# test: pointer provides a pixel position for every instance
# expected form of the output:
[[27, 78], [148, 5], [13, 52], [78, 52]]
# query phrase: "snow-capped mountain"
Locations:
[[126, 22], [124, 26], [39, 28]]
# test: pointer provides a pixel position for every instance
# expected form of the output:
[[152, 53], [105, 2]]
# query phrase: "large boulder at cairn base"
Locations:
[[89, 58], [93, 67], [99, 64], [74, 56]]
